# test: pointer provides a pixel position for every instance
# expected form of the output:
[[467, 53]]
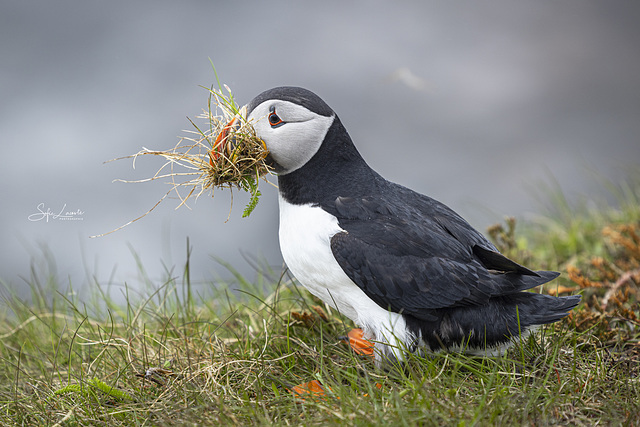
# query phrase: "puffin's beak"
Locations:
[[225, 141]]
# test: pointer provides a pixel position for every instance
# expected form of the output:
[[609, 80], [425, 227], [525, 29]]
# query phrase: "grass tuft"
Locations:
[[226, 153]]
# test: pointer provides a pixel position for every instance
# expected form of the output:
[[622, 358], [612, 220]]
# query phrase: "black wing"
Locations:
[[412, 254]]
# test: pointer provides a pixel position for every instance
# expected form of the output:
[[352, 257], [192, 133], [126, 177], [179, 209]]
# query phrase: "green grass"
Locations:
[[173, 357]]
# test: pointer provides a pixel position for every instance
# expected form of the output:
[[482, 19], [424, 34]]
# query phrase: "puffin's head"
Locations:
[[292, 122]]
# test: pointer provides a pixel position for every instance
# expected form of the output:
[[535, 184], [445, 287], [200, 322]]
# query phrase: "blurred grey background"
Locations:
[[471, 102]]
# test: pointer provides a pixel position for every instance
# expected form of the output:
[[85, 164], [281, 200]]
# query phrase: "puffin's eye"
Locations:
[[274, 120]]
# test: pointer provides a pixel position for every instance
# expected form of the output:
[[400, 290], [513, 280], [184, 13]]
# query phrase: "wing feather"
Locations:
[[413, 259]]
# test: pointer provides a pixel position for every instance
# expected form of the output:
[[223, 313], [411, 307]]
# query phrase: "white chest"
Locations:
[[305, 241]]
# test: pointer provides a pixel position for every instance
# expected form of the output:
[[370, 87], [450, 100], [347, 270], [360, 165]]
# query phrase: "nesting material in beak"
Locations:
[[236, 142], [236, 152], [226, 153]]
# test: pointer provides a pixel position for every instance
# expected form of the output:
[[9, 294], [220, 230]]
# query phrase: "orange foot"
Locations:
[[359, 345], [313, 388]]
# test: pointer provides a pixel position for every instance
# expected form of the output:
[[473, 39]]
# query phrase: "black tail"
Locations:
[[542, 309], [494, 323]]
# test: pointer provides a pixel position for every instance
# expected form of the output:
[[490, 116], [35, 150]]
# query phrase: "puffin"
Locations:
[[405, 268]]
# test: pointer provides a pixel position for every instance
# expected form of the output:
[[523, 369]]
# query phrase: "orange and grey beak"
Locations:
[[225, 141]]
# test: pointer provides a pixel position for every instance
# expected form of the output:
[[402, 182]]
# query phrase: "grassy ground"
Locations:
[[174, 358]]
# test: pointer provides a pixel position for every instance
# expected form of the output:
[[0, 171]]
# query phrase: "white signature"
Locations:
[[63, 215]]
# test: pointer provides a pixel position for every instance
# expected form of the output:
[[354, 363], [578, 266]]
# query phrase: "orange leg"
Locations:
[[360, 345], [313, 388]]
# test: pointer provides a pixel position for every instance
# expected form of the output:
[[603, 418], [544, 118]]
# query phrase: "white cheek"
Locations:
[[293, 144]]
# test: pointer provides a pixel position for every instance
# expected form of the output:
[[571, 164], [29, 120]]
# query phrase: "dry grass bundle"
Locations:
[[225, 154]]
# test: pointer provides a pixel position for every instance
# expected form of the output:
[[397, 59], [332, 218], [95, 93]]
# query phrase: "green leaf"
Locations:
[[250, 184]]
